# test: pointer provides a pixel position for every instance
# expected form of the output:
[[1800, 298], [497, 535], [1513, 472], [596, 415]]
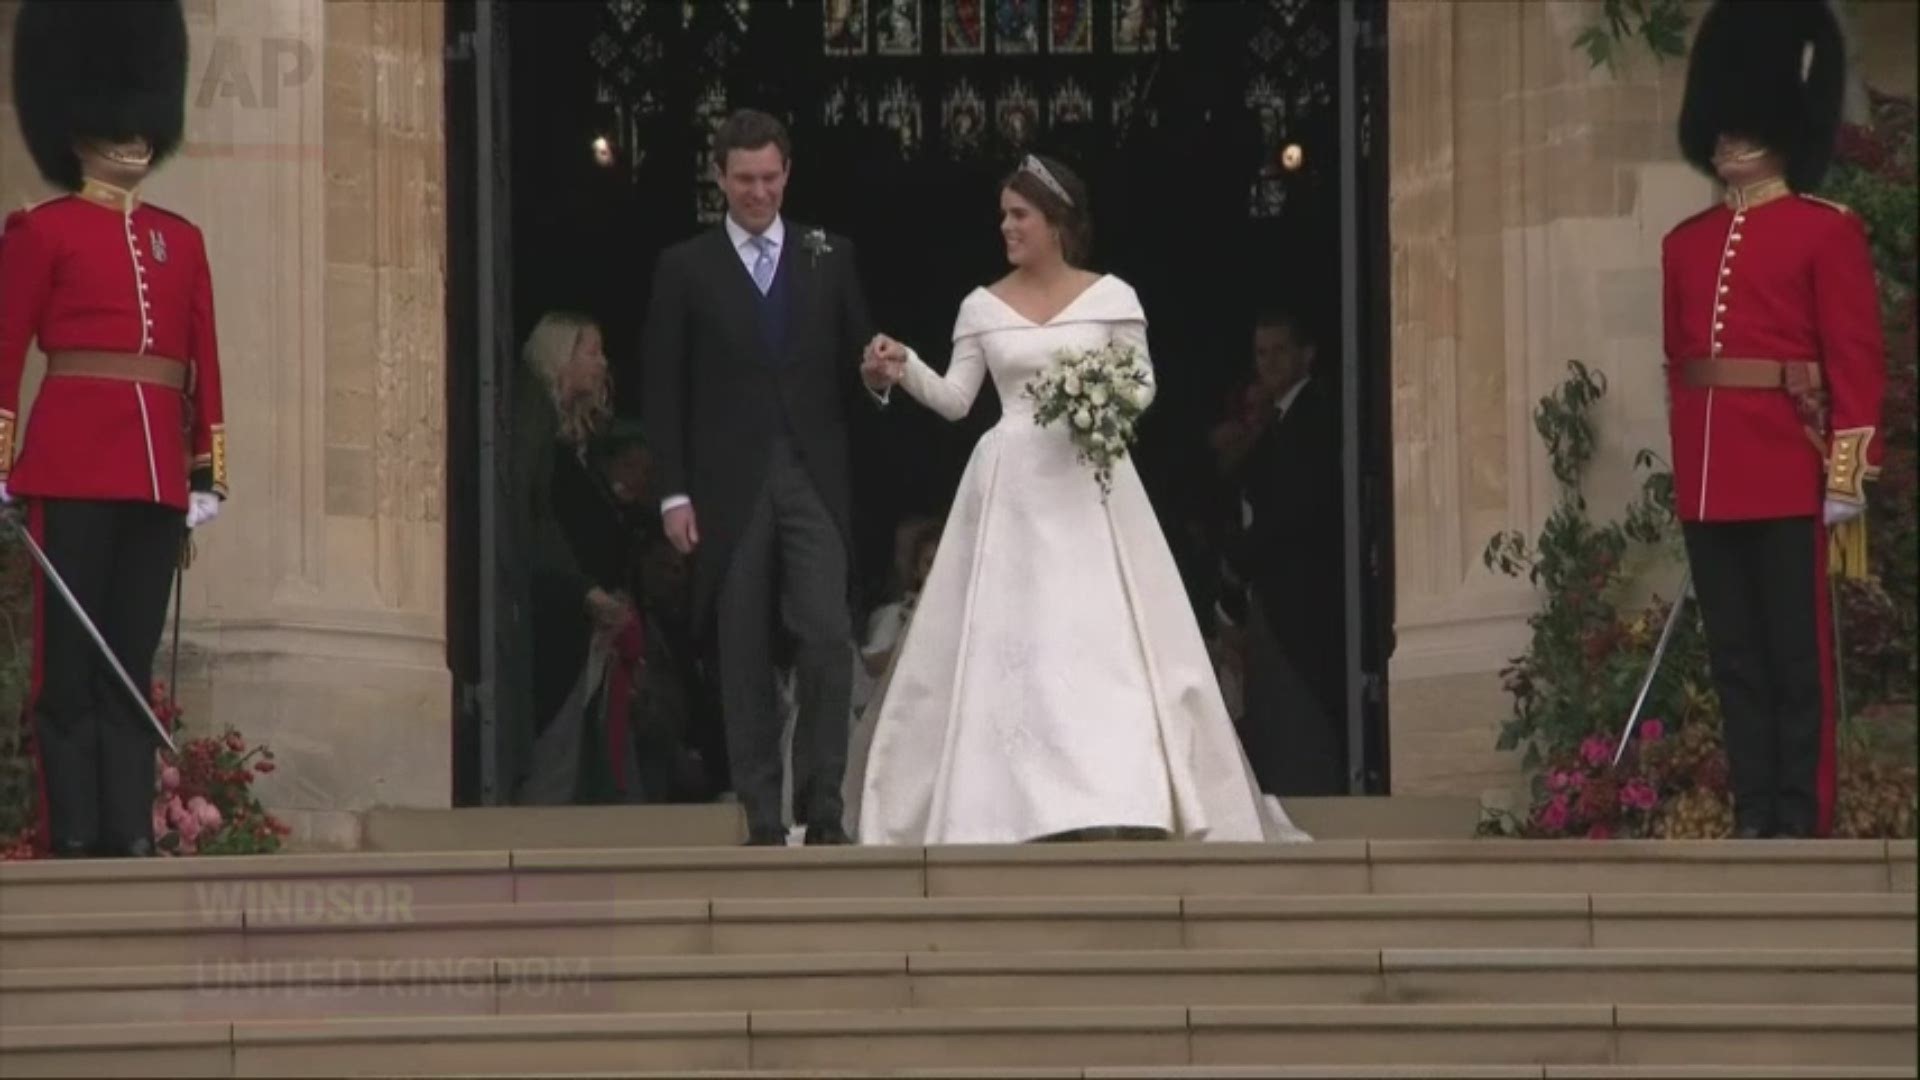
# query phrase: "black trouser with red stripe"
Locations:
[[96, 746], [1761, 586]]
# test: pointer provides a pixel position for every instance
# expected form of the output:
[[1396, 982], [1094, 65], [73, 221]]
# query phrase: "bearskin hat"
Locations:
[[1774, 71], [105, 69]]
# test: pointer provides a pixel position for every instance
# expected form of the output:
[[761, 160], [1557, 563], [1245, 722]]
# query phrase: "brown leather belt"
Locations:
[[127, 367], [1741, 374]]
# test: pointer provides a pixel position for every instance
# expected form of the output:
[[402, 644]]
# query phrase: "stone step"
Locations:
[[979, 924], [1660, 1036], [492, 828], [389, 879], [1321, 1072], [478, 986]]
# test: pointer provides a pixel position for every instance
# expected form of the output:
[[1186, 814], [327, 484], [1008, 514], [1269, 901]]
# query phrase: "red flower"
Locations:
[[235, 743], [265, 766]]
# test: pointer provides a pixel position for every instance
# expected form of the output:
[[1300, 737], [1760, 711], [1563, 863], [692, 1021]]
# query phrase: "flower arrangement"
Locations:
[[1575, 685], [203, 801], [1101, 394]]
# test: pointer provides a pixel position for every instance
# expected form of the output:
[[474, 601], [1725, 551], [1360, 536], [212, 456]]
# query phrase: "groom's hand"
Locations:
[[884, 363], [682, 532]]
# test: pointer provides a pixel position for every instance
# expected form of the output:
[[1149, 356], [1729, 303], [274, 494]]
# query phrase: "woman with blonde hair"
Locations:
[[575, 566]]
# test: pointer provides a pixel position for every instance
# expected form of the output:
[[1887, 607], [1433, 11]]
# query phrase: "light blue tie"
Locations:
[[763, 266]]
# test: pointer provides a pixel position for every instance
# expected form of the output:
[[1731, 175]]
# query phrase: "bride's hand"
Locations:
[[883, 363]]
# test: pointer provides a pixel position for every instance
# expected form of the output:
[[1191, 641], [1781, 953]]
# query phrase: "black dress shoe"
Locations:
[[1750, 832], [1793, 832], [767, 838], [71, 849], [827, 836], [134, 849]]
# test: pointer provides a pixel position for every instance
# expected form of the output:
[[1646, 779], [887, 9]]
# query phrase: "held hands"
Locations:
[[883, 364], [202, 507]]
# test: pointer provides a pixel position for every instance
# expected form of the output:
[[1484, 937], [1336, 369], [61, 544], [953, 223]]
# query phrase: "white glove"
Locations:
[[202, 507], [5, 499], [1838, 512]]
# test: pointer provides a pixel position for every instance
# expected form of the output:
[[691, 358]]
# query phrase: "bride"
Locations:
[[1053, 683]]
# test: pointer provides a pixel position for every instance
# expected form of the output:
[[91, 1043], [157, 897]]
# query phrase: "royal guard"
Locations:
[[124, 444], [1775, 369]]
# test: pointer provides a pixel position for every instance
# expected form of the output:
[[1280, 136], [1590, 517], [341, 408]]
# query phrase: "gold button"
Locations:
[[1723, 308], [1719, 326]]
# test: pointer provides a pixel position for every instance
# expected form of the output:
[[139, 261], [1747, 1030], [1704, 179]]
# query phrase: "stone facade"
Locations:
[[1529, 195], [314, 616]]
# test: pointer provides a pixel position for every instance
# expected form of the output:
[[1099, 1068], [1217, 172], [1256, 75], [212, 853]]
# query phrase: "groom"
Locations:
[[751, 358]]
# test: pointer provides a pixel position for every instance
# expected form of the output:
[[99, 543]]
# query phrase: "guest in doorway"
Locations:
[[1280, 453], [576, 563]]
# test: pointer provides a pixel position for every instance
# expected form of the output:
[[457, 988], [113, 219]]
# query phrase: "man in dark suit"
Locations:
[[751, 360], [1280, 451]]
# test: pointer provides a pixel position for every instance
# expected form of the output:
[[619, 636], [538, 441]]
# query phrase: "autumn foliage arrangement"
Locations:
[[203, 802]]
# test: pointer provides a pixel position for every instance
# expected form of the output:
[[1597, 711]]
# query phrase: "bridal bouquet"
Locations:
[[1101, 394]]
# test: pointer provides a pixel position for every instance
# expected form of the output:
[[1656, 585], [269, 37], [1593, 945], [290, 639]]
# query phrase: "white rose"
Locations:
[[1072, 386], [1082, 420], [1141, 396], [1099, 395]]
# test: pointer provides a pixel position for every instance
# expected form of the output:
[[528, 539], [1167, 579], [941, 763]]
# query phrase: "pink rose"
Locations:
[[189, 829], [159, 822], [1559, 780], [1596, 751], [1652, 730], [1639, 795], [1553, 816], [169, 778], [176, 813], [1600, 831], [209, 815]]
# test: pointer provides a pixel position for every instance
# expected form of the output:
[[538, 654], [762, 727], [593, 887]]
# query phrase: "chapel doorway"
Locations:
[[576, 140]]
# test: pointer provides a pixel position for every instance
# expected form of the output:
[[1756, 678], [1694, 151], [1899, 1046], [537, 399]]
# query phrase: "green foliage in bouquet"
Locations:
[[1100, 394]]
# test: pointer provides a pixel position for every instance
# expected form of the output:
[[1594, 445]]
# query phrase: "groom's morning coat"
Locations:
[[726, 371]]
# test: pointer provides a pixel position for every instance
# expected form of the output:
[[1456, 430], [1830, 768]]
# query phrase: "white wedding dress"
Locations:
[[1053, 677]]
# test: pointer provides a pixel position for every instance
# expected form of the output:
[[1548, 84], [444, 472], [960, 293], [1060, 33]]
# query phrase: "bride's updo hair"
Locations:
[[1061, 198]]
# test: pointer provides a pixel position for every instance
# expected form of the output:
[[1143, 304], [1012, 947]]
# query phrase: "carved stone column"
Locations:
[[1529, 198]]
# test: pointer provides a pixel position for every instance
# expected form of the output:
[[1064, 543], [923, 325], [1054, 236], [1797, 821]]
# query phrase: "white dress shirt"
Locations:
[[743, 246]]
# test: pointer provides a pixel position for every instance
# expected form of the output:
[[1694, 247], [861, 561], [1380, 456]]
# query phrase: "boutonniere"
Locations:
[[815, 241]]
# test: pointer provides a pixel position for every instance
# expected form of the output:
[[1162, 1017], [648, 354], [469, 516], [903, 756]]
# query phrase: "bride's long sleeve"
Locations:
[[1134, 334], [951, 395]]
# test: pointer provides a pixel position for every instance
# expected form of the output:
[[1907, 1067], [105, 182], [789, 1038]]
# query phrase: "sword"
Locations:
[[1653, 667], [60, 586]]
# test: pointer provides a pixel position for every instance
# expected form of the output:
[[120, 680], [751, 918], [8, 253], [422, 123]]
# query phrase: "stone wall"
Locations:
[[1529, 198], [314, 612]]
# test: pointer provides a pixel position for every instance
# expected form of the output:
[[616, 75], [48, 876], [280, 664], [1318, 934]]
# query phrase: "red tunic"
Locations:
[[1786, 278], [101, 271]]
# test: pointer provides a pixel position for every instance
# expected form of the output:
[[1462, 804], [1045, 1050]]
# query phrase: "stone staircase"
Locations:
[[1344, 957]]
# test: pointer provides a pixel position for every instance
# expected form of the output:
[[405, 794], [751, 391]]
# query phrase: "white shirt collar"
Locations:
[[776, 232], [1287, 399]]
